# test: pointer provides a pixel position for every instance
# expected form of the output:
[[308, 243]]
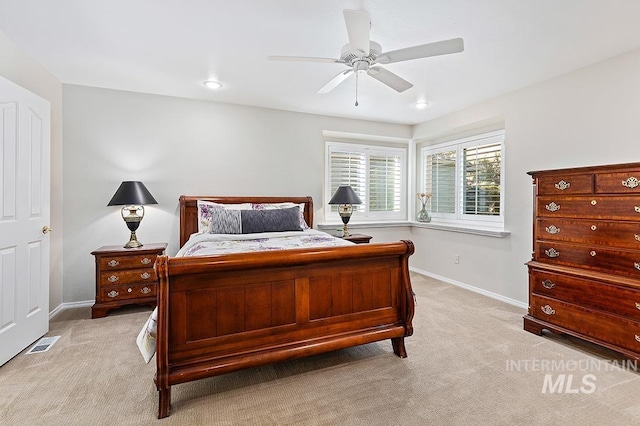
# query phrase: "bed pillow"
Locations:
[[286, 205], [206, 207], [225, 221]]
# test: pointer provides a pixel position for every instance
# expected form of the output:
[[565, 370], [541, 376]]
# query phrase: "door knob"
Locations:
[[46, 229]]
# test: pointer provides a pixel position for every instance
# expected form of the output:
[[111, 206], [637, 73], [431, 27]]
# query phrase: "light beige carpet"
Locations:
[[462, 369]]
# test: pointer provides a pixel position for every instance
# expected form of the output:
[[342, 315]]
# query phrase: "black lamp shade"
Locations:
[[132, 193], [345, 195]]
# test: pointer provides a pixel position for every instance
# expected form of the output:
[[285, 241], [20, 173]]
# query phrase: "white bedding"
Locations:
[[203, 244]]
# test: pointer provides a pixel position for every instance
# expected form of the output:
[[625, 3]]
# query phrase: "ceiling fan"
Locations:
[[362, 54]]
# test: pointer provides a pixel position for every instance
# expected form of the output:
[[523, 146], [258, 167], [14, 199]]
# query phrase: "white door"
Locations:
[[24, 212]]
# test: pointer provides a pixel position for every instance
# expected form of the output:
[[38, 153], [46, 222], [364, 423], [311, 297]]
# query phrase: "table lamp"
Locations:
[[345, 197], [132, 196]]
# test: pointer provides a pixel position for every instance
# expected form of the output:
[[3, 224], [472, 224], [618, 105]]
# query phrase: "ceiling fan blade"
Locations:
[[443, 47], [358, 26], [304, 59], [335, 81], [392, 80]]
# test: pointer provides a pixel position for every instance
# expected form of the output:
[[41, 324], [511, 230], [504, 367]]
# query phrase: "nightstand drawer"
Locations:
[[127, 277], [127, 262], [113, 293]]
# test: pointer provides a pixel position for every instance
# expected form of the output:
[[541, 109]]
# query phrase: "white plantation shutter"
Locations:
[[385, 183], [465, 178], [440, 181], [481, 179], [376, 174]]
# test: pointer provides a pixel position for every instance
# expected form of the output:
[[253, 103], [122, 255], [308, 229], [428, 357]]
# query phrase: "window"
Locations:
[[376, 173], [465, 179]]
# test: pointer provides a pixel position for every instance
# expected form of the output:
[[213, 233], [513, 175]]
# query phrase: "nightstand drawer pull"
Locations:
[[638, 306], [632, 182], [594, 202], [113, 263], [548, 310], [592, 253], [145, 290], [145, 275], [562, 185], [637, 209], [113, 293], [637, 236], [552, 252], [548, 284], [129, 290], [113, 278], [593, 227], [552, 229], [552, 207], [636, 265], [145, 261], [637, 338]]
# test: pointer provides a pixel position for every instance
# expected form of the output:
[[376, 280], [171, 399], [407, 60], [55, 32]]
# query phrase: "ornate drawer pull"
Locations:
[[593, 227], [552, 252], [631, 182], [113, 278], [113, 293], [552, 229], [145, 261], [113, 263], [637, 338], [637, 265], [548, 284], [562, 185], [145, 290], [637, 209], [549, 310], [552, 207], [594, 202], [637, 237], [638, 306], [145, 275], [592, 253]]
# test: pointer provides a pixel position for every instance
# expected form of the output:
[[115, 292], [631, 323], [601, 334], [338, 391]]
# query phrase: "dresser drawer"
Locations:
[[619, 262], [608, 328], [133, 291], [597, 232], [131, 276], [568, 184], [126, 262], [627, 182], [597, 207], [619, 300]]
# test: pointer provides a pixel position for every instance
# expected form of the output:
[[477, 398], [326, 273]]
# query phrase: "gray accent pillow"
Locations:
[[276, 220], [225, 222]]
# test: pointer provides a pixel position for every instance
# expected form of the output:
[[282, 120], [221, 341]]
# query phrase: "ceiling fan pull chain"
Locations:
[[356, 88]]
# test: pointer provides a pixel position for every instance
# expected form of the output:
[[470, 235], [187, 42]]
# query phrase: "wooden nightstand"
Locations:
[[125, 277], [358, 238]]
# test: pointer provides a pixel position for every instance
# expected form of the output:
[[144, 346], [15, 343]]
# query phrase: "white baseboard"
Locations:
[[69, 305], [472, 288]]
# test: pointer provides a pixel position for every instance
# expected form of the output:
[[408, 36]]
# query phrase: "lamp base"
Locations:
[[345, 232], [133, 242]]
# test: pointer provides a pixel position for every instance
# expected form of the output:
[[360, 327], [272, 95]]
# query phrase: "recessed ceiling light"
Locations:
[[212, 84], [422, 105]]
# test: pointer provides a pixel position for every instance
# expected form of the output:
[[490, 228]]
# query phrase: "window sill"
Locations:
[[486, 231]]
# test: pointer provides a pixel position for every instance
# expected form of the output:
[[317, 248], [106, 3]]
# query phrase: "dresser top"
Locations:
[[589, 169], [146, 248]]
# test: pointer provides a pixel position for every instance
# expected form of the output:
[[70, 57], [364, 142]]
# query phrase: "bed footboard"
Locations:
[[218, 314]]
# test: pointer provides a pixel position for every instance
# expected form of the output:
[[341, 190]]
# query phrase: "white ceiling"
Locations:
[[170, 47]]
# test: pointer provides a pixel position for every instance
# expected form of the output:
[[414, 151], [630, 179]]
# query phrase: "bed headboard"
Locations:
[[189, 209]]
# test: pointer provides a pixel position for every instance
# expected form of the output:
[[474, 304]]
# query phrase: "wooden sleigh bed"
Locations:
[[218, 314]]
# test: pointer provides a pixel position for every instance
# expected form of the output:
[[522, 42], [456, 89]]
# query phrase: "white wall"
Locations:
[[588, 117], [18, 67], [178, 146]]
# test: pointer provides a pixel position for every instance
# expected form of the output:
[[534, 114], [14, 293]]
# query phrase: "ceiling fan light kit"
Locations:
[[363, 54]]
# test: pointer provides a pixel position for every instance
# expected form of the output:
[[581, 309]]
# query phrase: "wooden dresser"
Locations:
[[584, 278], [125, 277]]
